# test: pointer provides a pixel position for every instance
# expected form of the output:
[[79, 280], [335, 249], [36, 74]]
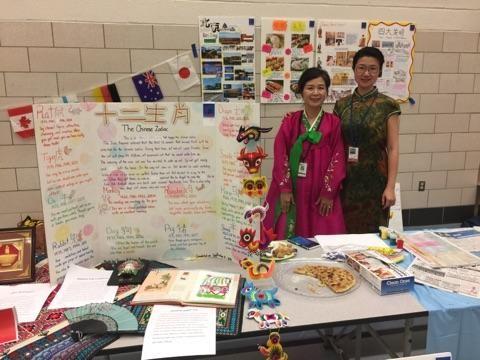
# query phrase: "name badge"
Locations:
[[353, 154], [302, 169]]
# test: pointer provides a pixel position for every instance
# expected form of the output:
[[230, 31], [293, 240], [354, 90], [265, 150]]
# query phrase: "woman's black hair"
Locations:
[[369, 51], [310, 74]]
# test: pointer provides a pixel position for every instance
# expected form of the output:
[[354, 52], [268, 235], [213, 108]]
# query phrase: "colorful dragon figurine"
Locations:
[[257, 297]]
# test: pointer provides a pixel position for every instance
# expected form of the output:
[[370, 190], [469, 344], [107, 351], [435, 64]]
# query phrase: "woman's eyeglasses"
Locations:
[[363, 69]]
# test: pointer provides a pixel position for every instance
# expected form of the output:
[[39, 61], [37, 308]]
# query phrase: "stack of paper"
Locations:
[[84, 286], [349, 242], [179, 331], [27, 299]]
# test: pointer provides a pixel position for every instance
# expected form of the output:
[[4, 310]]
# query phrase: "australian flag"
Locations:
[[147, 86]]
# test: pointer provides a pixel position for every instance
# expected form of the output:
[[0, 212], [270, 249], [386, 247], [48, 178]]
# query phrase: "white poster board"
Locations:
[[337, 43], [227, 54], [287, 49], [130, 180], [396, 41]]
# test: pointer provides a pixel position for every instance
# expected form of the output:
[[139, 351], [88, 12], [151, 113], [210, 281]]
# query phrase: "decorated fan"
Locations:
[[101, 318]]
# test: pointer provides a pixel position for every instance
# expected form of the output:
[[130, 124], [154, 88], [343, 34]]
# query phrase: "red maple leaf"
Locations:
[[24, 122]]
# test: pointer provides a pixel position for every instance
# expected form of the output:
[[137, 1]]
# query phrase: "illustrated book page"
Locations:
[[188, 287]]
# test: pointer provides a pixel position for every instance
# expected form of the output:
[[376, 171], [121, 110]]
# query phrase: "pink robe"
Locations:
[[325, 172]]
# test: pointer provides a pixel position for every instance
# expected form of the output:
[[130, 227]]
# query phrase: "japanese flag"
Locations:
[[183, 72], [21, 119]]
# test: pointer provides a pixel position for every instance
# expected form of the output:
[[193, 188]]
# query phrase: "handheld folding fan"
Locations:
[[101, 318]]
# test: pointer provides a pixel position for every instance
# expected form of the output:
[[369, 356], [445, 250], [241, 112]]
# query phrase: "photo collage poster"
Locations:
[[287, 49], [227, 55], [141, 180], [337, 43], [396, 41]]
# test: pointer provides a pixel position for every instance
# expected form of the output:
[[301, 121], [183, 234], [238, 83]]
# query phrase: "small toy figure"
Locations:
[[273, 350], [257, 271], [257, 297], [268, 321], [252, 160]]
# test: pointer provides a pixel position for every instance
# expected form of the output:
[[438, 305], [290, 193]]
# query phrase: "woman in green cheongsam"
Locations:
[[370, 122]]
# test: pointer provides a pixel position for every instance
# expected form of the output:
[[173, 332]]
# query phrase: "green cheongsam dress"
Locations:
[[364, 125]]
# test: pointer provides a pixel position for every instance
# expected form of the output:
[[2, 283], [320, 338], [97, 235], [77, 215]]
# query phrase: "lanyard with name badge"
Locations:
[[353, 150], [302, 166]]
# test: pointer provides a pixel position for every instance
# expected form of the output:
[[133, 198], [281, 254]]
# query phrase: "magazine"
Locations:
[[438, 251], [188, 287]]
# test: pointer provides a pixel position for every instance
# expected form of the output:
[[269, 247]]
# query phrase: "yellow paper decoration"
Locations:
[[298, 26]]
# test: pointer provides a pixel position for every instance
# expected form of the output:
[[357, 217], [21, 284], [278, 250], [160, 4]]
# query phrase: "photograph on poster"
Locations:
[[248, 92], [299, 64], [232, 91], [274, 86], [248, 58], [244, 74], [212, 83], [277, 41], [232, 58], [275, 63], [300, 40], [341, 58], [211, 52], [329, 38], [229, 38], [213, 96], [212, 68]]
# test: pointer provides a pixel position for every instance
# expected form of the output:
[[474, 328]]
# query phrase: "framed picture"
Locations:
[[17, 255]]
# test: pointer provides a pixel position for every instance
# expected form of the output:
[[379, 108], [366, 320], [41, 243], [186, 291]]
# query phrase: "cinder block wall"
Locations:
[[439, 135]]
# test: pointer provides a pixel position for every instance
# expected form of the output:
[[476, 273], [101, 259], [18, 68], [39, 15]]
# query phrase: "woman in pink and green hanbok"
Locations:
[[309, 166]]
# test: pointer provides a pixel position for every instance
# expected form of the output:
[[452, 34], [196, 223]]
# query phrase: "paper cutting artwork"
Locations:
[[337, 43], [227, 58], [287, 50], [396, 41]]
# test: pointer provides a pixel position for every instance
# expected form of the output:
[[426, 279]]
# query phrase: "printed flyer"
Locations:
[[337, 43], [227, 57], [396, 41], [286, 51], [151, 180]]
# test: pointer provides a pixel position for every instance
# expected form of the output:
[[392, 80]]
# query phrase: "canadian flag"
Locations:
[[21, 119]]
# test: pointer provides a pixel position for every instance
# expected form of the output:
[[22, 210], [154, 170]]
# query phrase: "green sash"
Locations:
[[314, 137]]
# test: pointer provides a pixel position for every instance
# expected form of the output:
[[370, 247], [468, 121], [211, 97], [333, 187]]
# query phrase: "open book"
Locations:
[[188, 287]]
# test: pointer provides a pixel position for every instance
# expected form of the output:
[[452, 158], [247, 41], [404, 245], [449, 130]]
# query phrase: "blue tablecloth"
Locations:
[[453, 321]]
